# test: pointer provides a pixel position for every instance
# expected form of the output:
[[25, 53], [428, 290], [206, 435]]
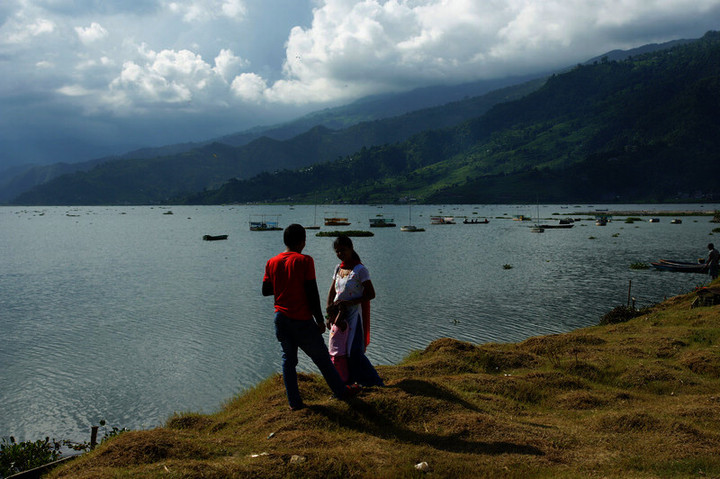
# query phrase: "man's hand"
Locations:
[[320, 325]]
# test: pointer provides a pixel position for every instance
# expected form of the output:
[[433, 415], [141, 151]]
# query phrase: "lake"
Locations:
[[125, 313]]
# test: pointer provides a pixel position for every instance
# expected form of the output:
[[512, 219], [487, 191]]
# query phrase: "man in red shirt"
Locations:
[[299, 322]]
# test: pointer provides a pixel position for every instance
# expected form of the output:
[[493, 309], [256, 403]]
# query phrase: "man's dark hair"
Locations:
[[294, 235], [711, 246]]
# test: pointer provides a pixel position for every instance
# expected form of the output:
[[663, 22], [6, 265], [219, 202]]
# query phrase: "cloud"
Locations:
[[171, 78], [249, 87], [19, 32], [355, 48], [92, 33], [230, 62], [207, 10]]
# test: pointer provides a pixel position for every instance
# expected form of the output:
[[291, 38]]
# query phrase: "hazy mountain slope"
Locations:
[[157, 179], [18, 180], [644, 129]]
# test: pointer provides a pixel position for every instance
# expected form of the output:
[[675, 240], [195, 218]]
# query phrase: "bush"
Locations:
[[621, 314], [17, 457]]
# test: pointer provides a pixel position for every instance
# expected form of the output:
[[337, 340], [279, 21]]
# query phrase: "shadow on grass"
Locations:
[[367, 418]]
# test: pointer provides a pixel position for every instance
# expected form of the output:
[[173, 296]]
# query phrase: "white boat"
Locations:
[[314, 225], [411, 228], [537, 228]]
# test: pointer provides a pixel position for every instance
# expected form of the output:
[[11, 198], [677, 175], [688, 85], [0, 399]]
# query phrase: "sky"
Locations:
[[82, 79]]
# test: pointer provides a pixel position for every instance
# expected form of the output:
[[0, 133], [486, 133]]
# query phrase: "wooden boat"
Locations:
[[336, 221], [442, 220], [381, 223], [679, 266], [475, 221], [215, 237]]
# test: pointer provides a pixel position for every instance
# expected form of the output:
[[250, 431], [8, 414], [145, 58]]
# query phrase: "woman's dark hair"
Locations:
[[344, 240]]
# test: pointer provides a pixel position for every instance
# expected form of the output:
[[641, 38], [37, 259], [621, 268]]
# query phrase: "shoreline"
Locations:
[[636, 397]]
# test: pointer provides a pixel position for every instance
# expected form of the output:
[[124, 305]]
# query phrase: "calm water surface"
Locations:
[[125, 314]]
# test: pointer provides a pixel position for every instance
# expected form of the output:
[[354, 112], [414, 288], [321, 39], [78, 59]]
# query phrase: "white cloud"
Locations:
[[171, 78], [92, 33], [249, 87], [222, 58], [20, 31], [227, 64], [356, 47], [74, 90], [206, 10]]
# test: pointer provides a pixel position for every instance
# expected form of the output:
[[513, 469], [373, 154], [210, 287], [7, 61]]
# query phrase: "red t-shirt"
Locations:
[[288, 272]]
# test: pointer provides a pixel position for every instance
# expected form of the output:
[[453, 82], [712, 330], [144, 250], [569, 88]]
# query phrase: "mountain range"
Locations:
[[628, 126]]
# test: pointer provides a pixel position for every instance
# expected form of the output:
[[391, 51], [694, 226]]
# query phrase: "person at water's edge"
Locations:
[[712, 261], [299, 322]]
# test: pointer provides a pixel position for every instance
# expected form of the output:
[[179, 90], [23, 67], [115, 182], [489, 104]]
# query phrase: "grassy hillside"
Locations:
[[629, 399]]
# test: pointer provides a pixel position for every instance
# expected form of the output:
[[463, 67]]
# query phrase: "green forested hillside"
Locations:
[[157, 180], [643, 129], [637, 130]]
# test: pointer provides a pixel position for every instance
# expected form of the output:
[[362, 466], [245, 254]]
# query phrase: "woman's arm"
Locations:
[[368, 291], [331, 294], [368, 294]]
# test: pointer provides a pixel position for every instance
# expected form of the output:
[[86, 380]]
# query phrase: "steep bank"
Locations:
[[634, 399]]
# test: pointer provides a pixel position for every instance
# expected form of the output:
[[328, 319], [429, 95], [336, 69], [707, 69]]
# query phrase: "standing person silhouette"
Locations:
[[290, 278], [712, 261], [348, 304]]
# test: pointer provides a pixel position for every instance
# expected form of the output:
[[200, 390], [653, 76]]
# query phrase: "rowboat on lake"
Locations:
[[679, 266], [215, 237]]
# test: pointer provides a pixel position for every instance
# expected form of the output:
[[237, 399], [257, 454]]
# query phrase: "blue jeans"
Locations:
[[294, 334]]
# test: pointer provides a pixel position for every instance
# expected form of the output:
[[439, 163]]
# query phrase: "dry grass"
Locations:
[[639, 399]]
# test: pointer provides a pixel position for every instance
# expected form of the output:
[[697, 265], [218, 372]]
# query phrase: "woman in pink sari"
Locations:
[[348, 306]]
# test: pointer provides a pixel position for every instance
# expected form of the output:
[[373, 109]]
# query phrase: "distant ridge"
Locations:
[[176, 172]]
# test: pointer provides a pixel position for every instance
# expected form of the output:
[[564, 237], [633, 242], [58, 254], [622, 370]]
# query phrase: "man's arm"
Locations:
[[267, 288], [313, 299]]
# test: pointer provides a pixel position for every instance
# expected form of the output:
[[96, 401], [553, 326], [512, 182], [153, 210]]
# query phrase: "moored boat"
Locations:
[[336, 221], [382, 223], [214, 237], [442, 220], [262, 224], [679, 266]]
